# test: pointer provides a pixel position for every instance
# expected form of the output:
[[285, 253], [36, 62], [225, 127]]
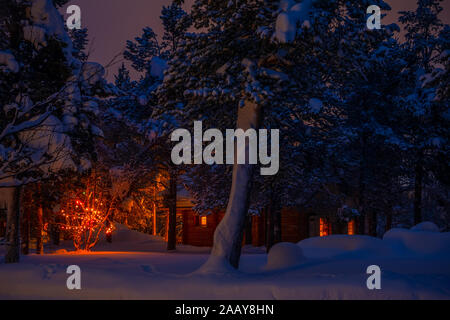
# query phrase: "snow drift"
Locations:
[[284, 255], [422, 239], [162, 275], [416, 241]]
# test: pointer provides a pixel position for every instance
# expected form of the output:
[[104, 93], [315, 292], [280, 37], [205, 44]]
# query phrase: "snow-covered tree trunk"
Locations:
[[228, 234], [12, 225]]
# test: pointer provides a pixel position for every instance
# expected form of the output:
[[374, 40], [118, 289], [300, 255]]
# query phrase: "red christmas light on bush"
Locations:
[[85, 220]]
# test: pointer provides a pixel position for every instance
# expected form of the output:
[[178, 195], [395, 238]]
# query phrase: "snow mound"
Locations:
[[419, 242], [215, 265], [333, 245], [284, 255], [426, 226], [123, 234], [127, 240]]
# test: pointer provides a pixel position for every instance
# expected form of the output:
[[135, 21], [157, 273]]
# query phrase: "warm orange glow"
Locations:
[[84, 222], [351, 227], [324, 227], [204, 221]]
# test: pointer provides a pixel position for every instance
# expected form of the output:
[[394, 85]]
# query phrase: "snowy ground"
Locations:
[[414, 264]]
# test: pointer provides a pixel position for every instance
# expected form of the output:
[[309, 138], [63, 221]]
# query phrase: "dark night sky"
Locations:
[[112, 22]]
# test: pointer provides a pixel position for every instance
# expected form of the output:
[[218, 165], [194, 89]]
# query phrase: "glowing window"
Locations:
[[203, 221], [351, 227], [324, 227]]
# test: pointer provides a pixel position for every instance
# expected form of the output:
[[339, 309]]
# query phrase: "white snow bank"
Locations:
[[284, 255], [333, 245], [292, 15], [148, 275], [9, 61], [122, 234], [216, 265], [124, 239], [423, 239], [127, 240], [128, 275], [419, 242], [426, 226]]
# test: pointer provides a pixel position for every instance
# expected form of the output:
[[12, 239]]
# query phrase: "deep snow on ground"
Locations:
[[414, 265]]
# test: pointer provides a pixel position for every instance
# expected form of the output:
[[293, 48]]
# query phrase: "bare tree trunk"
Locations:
[[12, 227], [373, 224], [248, 230], [55, 232], [389, 220], [154, 210], [273, 230], [276, 222], [418, 186], [26, 221], [172, 231], [40, 222], [362, 187], [229, 232], [269, 227], [39, 226]]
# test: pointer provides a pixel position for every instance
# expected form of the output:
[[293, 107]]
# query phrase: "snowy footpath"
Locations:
[[415, 264]]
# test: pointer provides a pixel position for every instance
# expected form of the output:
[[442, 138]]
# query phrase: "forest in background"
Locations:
[[363, 118]]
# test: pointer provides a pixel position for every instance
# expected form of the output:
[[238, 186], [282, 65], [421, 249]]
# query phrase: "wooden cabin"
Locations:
[[296, 225], [2, 220]]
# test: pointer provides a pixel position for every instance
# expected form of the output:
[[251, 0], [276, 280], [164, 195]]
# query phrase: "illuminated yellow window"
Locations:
[[351, 227], [203, 221], [324, 227]]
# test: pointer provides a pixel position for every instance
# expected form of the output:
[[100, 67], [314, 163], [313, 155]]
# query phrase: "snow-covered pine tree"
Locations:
[[423, 119], [437, 182], [45, 124], [240, 67], [369, 81], [142, 50], [79, 40], [122, 80], [175, 22], [212, 66], [134, 106], [59, 3]]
